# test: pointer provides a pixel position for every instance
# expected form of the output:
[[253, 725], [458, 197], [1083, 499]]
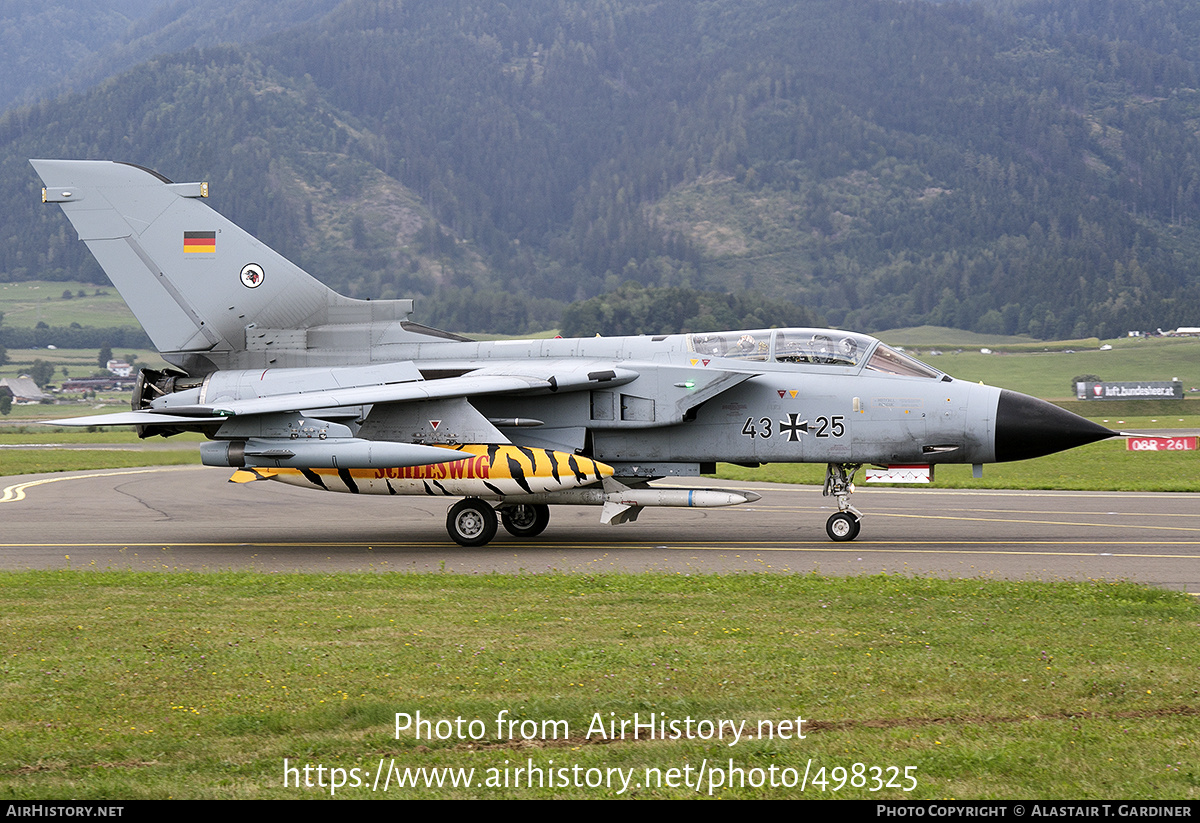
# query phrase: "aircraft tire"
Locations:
[[471, 522], [525, 519], [842, 527]]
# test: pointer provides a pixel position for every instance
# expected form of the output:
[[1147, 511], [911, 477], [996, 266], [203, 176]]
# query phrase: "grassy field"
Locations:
[[941, 337], [29, 461], [1049, 374], [50, 435], [25, 415], [1105, 466], [1136, 415], [26, 304], [125, 685]]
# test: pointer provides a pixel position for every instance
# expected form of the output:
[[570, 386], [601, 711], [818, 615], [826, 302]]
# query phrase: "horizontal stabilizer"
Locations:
[[138, 418]]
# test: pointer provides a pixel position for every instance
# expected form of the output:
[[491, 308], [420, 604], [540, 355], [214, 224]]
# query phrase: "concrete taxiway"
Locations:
[[191, 518]]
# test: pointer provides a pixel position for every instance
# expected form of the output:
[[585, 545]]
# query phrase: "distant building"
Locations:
[[120, 368], [22, 389], [84, 384]]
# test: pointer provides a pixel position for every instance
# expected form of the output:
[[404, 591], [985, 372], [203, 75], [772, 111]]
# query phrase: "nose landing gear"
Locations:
[[839, 482]]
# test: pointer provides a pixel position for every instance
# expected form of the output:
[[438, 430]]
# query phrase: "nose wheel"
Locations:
[[839, 483], [842, 526]]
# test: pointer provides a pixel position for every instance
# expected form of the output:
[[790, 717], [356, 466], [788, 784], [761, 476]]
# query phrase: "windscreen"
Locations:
[[889, 361]]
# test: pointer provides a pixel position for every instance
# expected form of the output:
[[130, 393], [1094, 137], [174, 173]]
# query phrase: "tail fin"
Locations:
[[195, 281]]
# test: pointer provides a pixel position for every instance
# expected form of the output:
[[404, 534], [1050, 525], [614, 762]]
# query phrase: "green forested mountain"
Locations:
[[168, 26], [52, 45], [1005, 166], [40, 43]]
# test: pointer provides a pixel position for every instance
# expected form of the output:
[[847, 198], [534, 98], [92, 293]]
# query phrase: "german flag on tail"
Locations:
[[200, 242]]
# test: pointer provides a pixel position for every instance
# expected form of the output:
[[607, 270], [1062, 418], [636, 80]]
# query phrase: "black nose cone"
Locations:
[[1027, 427]]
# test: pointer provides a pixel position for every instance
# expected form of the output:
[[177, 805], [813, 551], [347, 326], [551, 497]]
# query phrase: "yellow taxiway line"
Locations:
[[859, 547], [16, 492]]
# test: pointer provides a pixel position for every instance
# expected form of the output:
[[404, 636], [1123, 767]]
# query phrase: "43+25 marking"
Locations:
[[834, 426]]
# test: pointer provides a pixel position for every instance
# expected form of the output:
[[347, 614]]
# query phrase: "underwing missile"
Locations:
[[681, 498]]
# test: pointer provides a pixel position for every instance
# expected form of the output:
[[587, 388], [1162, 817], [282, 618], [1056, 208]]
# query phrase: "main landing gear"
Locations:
[[839, 482], [525, 519], [472, 522]]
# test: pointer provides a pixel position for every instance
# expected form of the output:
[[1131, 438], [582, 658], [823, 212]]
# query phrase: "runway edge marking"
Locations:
[[16, 492]]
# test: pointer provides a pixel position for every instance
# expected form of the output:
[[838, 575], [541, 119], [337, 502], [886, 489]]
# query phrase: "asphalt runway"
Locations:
[[191, 518]]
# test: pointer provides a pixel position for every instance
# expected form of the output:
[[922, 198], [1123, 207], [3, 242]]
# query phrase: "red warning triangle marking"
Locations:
[[435, 424], [705, 362], [782, 392]]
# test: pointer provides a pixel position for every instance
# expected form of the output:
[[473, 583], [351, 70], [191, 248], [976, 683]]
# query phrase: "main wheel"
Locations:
[[471, 522], [525, 519], [842, 526]]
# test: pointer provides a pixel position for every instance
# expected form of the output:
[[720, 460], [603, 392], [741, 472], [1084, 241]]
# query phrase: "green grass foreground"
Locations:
[[130, 685]]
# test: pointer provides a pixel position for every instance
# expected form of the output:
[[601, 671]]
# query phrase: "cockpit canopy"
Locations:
[[815, 347]]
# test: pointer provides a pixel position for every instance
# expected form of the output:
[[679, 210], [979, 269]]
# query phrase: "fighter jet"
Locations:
[[295, 383]]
